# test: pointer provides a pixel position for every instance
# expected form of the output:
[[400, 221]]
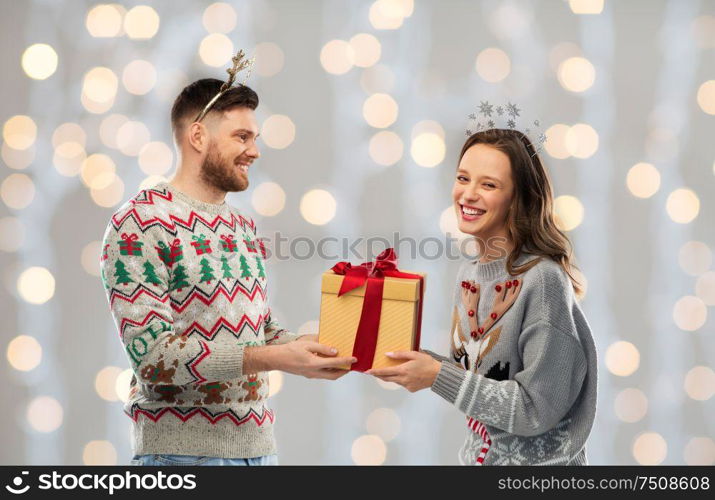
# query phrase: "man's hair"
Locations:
[[195, 96]]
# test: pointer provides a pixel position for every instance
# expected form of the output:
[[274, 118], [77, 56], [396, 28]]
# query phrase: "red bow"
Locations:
[[374, 274], [130, 237]]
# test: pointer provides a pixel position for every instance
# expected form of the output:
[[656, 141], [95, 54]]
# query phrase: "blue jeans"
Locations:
[[188, 460]]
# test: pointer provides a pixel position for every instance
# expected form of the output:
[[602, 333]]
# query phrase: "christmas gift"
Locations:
[[371, 309]]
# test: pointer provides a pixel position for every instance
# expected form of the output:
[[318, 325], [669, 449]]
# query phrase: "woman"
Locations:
[[525, 371]]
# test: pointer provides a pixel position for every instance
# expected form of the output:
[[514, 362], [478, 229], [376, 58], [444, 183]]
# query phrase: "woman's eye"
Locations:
[[489, 185], [461, 178]]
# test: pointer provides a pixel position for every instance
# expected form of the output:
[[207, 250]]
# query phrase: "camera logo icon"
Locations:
[[17, 488]]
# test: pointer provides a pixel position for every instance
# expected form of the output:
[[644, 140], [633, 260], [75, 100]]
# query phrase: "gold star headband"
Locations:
[[239, 64]]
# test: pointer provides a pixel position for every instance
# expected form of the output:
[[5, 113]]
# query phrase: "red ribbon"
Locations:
[[130, 237], [374, 274]]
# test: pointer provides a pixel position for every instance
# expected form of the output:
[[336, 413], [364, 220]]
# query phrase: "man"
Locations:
[[185, 277]]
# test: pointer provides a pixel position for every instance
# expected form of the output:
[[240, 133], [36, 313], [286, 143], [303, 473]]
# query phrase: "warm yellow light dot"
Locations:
[[690, 313], [380, 110], [700, 383], [493, 65], [385, 423], [643, 180], [155, 158], [139, 77], [706, 97], [99, 89], [268, 199], [576, 74], [650, 448], [69, 132], [269, 59], [12, 234], [98, 171], [428, 126], [622, 358], [377, 79], [216, 50], [586, 6], [318, 207], [695, 257], [683, 205], [123, 385], [24, 353], [219, 18], [90, 257], [17, 158], [278, 131], [131, 137], [368, 450], [68, 158], [428, 149], [44, 414], [275, 382], [366, 48], [700, 451], [386, 14], [106, 381], [39, 61], [562, 51], [17, 191], [631, 405], [555, 145], [386, 148], [337, 57], [99, 453], [568, 212], [19, 132], [105, 20], [141, 22], [110, 195], [581, 140], [109, 128], [705, 288]]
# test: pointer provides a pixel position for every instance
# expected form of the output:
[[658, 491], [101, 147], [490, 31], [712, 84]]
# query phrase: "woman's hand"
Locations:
[[417, 373]]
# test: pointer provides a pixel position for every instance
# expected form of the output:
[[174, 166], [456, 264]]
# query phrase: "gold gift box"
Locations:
[[340, 316]]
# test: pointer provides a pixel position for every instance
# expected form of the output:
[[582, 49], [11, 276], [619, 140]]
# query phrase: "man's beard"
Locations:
[[220, 173]]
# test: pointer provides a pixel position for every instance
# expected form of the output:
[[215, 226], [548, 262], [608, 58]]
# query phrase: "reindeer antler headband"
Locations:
[[239, 64]]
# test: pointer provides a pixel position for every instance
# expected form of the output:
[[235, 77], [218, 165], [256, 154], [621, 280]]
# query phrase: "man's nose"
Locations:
[[253, 151]]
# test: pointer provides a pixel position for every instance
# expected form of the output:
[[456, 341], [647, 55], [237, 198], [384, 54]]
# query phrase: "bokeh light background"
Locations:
[[363, 111]]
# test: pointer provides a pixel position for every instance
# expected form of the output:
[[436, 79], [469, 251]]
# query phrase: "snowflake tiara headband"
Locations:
[[505, 117], [239, 64]]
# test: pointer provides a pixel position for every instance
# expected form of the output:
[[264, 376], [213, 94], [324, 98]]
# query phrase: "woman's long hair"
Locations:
[[530, 219]]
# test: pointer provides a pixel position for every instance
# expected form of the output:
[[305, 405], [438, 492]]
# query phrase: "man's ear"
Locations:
[[198, 136]]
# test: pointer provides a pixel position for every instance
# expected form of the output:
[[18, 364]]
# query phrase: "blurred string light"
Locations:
[[683, 205], [123, 385], [643, 180], [318, 207], [105, 20], [556, 144], [275, 382], [156, 158], [695, 257], [278, 131], [216, 50], [706, 97], [90, 257], [132, 136], [99, 453], [700, 383], [17, 158], [219, 18], [337, 57], [568, 212], [428, 147], [269, 59], [99, 89], [581, 141], [705, 288], [268, 199], [24, 353], [44, 414], [562, 51], [586, 6], [139, 77], [368, 450], [141, 22], [493, 65], [19, 132], [17, 191], [39, 61], [390, 14], [109, 128], [12, 234], [69, 140], [384, 422], [69, 132], [631, 405], [650, 448], [699, 451], [380, 110], [622, 358], [576, 74], [36, 285], [98, 171], [105, 383], [366, 50], [690, 313], [109, 196], [386, 148]]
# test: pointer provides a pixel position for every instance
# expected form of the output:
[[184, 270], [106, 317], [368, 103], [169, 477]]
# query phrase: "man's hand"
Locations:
[[302, 358], [419, 372]]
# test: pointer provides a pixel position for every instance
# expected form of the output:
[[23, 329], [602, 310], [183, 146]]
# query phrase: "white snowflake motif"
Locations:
[[509, 451], [491, 123], [510, 123], [512, 110], [537, 123], [500, 110], [485, 108], [472, 116], [468, 132]]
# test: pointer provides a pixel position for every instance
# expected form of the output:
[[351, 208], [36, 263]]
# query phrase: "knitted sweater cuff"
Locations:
[[225, 364], [448, 381]]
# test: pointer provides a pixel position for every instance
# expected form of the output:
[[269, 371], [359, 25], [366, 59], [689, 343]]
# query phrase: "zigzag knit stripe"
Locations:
[[155, 415]]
